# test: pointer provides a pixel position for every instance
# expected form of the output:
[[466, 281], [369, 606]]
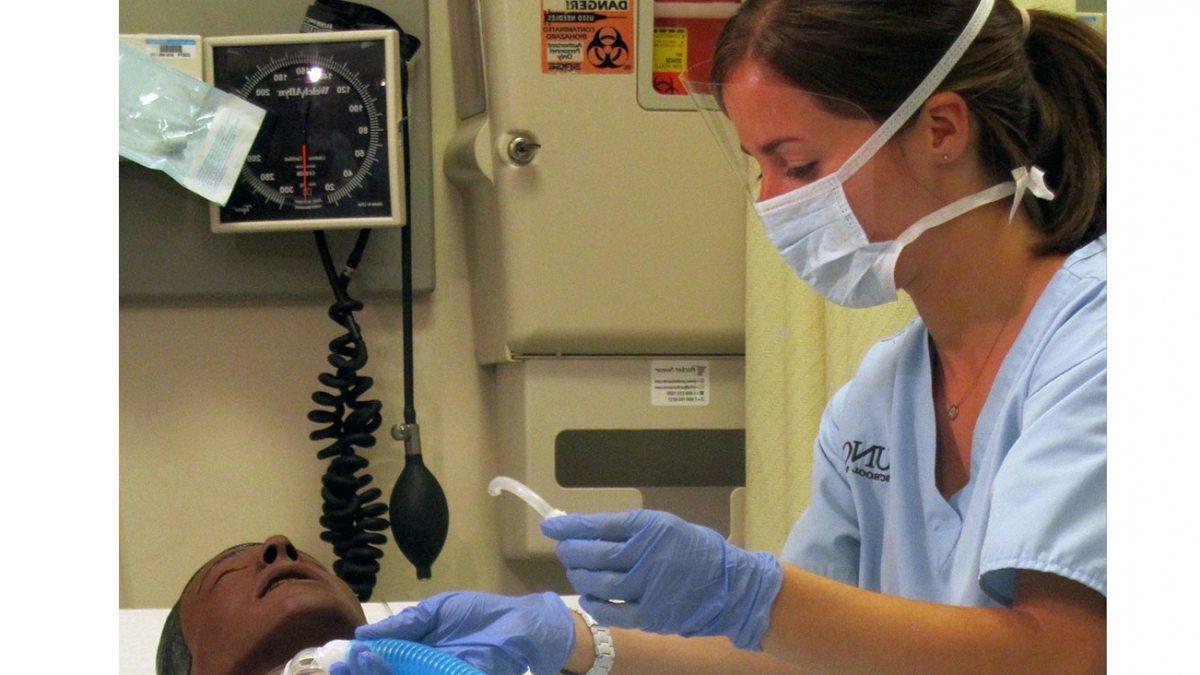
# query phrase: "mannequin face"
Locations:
[[252, 607]]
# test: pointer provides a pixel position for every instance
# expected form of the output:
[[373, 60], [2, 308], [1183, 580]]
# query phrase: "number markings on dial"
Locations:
[[312, 67]]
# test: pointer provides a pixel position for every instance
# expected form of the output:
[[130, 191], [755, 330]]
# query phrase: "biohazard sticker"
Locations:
[[588, 36]]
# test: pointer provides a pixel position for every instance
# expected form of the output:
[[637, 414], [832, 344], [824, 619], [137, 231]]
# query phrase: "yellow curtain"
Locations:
[[799, 351]]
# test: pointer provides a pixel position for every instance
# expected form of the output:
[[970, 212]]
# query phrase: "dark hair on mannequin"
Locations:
[[173, 657], [1036, 99]]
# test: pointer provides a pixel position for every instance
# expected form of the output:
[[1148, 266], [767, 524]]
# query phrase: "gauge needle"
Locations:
[[304, 152]]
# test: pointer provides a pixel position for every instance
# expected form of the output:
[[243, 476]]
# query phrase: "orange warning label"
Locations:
[[588, 36]]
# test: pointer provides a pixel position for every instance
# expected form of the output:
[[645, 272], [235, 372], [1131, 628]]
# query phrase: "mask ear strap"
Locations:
[[953, 210], [922, 93], [1032, 179]]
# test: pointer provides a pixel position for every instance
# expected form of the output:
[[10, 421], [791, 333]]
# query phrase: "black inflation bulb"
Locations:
[[418, 511]]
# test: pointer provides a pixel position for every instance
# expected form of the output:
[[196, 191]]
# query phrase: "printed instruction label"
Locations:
[[588, 36], [670, 60], [222, 151], [670, 50], [679, 382]]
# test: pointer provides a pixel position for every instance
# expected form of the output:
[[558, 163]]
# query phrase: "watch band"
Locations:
[[604, 651]]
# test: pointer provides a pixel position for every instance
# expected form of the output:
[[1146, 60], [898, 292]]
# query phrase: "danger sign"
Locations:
[[588, 36]]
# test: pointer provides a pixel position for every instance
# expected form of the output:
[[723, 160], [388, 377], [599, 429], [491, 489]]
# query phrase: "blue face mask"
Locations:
[[815, 230]]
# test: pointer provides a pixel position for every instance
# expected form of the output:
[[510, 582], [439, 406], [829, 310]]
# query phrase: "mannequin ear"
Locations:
[[946, 121]]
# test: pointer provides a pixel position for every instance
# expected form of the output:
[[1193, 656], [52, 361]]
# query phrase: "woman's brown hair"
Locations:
[[1038, 98]]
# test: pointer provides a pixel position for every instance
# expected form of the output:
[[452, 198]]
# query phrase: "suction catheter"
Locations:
[[533, 499]]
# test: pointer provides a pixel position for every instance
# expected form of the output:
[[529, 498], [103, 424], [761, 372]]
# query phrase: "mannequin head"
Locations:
[[251, 608]]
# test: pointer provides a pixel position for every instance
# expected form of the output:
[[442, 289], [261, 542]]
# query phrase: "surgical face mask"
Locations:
[[815, 227], [177, 124]]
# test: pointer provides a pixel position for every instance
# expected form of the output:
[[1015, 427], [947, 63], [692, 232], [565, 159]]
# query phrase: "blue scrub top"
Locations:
[[1036, 498]]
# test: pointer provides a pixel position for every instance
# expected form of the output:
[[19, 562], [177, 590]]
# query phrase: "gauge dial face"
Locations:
[[322, 151]]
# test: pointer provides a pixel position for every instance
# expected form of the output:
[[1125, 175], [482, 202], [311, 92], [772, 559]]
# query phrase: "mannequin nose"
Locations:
[[278, 548]]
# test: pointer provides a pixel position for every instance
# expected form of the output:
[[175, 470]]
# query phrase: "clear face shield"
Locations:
[[777, 139]]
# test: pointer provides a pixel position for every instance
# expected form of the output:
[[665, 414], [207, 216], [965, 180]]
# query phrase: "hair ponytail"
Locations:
[[1067, 127]]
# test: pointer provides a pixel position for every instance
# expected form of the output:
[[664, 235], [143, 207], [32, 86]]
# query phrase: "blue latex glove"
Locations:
[[361, 661], [671, 576], [497, 634]]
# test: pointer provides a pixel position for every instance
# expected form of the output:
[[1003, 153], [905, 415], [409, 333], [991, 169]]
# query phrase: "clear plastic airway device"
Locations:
[[530, 497], [402, 658]]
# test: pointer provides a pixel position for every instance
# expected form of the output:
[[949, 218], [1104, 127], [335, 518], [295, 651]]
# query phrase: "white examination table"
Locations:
[[140, 629]]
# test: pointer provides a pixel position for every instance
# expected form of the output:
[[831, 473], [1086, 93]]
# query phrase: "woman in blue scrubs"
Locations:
[[953, 149]]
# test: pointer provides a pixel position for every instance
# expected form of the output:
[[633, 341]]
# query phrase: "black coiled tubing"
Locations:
[[352, 515]]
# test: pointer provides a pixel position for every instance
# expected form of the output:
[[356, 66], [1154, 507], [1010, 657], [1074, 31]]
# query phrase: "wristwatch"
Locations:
[[603, 643]]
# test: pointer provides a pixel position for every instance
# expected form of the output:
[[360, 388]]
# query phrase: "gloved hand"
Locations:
[[497, 634], [671, 576], [361, 661]]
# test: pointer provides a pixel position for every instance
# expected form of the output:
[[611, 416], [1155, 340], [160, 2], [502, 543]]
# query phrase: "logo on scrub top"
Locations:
[[607, 49], [869, 462]]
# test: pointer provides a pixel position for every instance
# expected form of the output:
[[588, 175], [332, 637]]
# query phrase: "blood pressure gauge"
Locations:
[[326, 155]]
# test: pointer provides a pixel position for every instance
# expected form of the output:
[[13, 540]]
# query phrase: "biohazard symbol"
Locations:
[[665, 85], [607, 49]]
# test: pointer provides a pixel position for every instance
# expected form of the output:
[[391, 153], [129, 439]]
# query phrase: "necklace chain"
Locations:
[[952, 411]]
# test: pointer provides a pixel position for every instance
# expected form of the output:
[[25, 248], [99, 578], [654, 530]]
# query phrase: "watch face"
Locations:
[[323, 149]]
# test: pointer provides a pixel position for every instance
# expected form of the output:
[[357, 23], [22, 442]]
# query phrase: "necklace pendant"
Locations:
[[953, 411]]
